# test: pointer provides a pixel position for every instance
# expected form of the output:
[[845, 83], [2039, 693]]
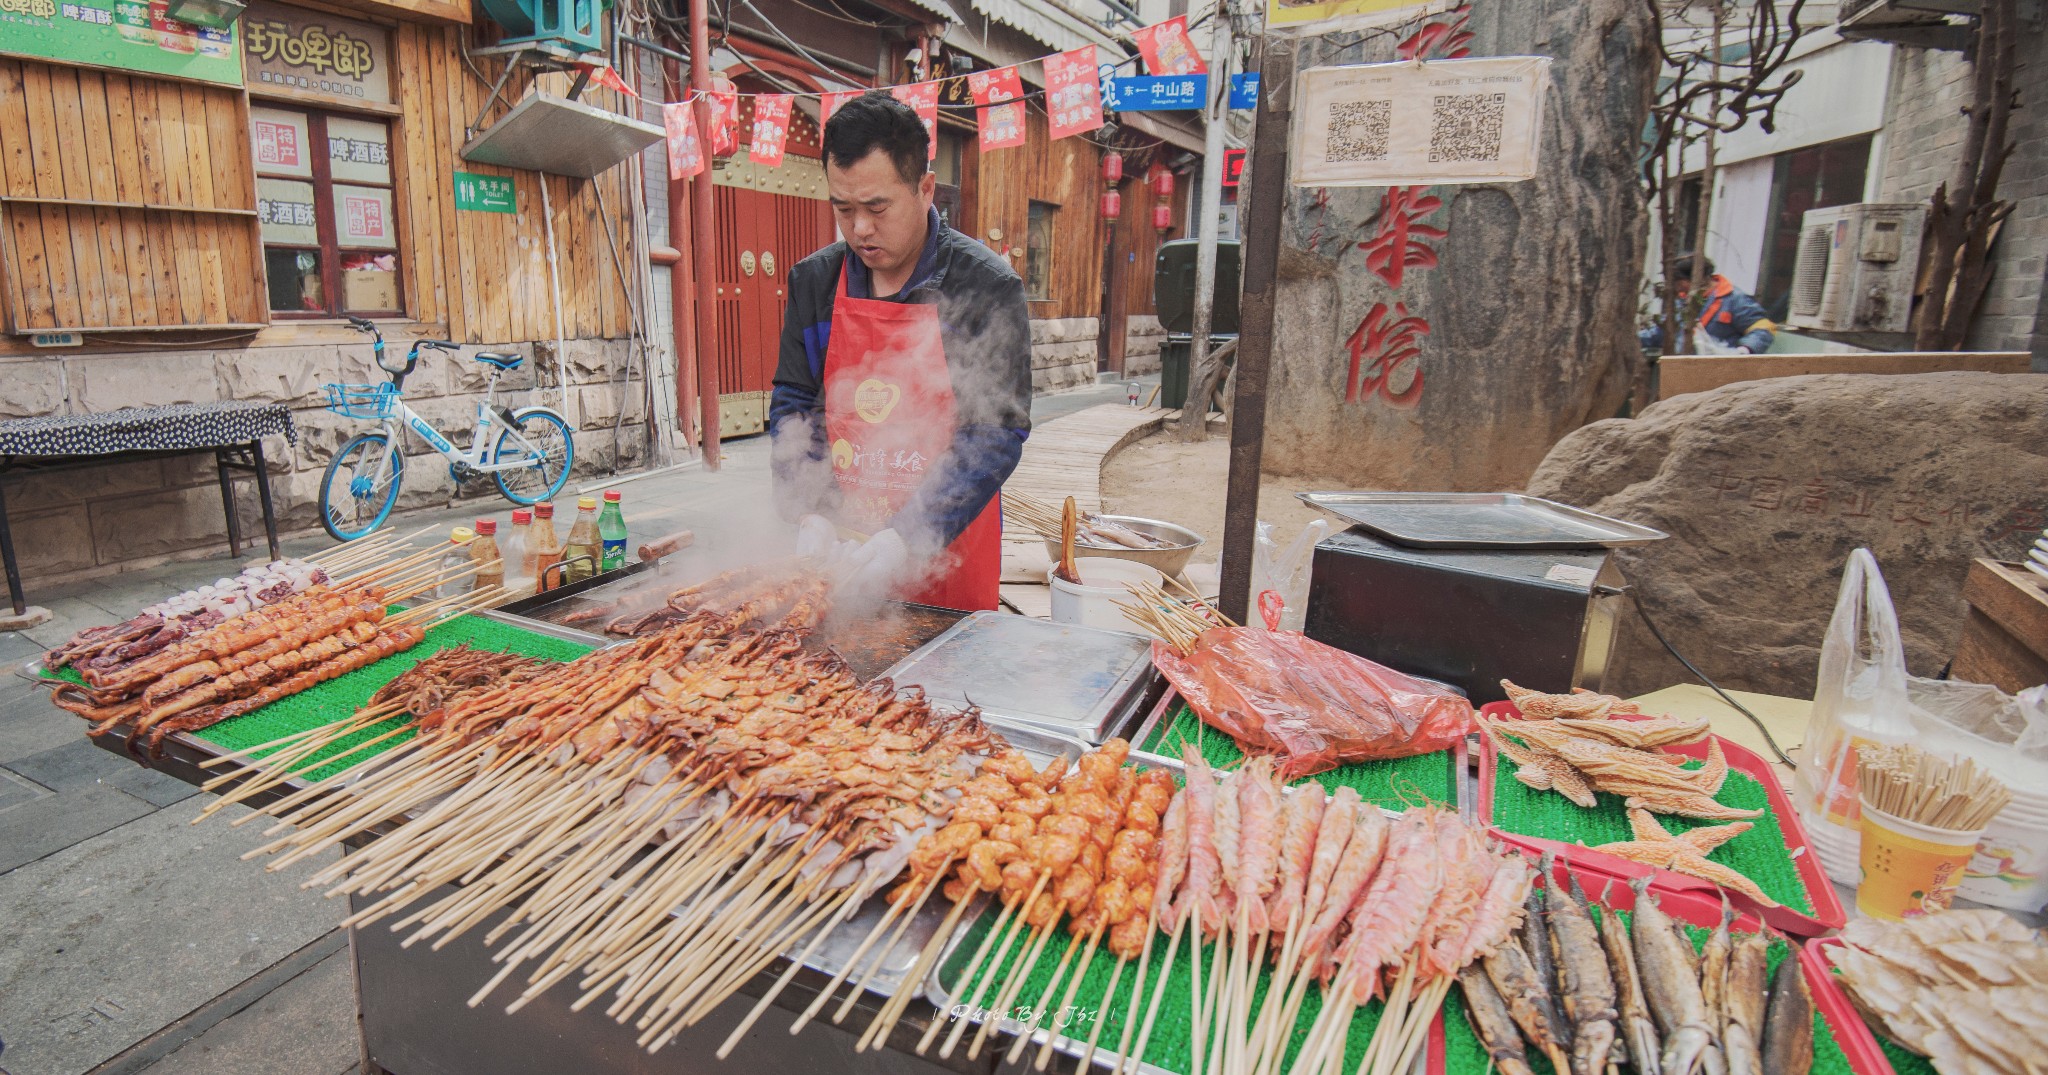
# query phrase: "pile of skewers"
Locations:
[[1177, 621], [1967, 989], [746, 592], [1328, 890], [1592, 993], [1091, 530], [290, 643], [656, 821]]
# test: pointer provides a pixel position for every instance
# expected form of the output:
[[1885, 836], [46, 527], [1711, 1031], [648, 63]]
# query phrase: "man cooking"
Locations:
[[903, 389]]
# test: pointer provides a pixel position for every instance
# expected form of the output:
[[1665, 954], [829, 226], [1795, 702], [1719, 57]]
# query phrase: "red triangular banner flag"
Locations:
[[1168, 50], [725, 118], [685, 152], [924, 97], [606, 76], [1073, 92], [771, 128]]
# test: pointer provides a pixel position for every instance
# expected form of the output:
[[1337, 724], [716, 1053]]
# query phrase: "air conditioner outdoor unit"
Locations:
[[1856, 268]]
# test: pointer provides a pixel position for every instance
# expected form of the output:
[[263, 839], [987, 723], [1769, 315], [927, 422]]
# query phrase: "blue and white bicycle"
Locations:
[[529, 457]]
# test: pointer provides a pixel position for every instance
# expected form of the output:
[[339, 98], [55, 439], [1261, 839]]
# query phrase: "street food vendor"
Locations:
[[903, 389]]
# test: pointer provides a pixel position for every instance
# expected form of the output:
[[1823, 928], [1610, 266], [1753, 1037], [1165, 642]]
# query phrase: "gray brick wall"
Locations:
[[1923, 141]]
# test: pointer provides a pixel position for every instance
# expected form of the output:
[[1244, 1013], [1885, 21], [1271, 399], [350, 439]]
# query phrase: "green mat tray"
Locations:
[[1394, 783], [338, 697], [1169, 1047]]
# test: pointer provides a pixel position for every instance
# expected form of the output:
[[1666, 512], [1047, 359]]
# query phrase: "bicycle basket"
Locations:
[[362, 400]]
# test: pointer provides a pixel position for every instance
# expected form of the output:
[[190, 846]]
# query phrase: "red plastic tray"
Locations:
[[1828, 914], [1858, 1041]]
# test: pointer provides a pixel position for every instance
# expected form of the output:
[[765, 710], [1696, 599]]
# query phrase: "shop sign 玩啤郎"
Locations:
[[315, 53], [127, 35]]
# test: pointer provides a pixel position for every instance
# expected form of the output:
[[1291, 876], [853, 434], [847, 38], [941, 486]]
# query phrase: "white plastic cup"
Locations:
[[2010, 868], [1104, 582]]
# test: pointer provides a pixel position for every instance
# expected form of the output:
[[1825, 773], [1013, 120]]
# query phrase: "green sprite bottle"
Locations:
[[611, 530]]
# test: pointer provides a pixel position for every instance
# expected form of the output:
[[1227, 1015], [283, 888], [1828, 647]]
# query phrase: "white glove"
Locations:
[[1742, 350], [877, 566], [816, 536]]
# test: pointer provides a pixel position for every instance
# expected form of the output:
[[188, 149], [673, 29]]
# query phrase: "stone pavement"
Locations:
[[141, 944]]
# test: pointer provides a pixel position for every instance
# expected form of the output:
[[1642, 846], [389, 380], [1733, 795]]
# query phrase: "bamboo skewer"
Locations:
[[1018, 976], [1052, 984], [995, 963], [1067, 999], [967, 975], [1116, 976], [885, 1021], [1124, 1053], [882, 956], [754, 1014], [824, 996]]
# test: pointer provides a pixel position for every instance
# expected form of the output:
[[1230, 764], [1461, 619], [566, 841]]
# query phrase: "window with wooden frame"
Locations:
[[1038, 251], [326, 207]]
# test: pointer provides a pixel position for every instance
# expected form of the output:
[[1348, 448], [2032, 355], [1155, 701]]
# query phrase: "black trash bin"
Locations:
[[1176, 367]]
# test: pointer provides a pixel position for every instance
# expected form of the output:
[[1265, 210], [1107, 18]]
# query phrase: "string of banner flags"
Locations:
[[1077, 94]]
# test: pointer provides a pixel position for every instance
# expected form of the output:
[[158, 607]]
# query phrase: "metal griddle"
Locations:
[[1479, 521], [1027, 673]]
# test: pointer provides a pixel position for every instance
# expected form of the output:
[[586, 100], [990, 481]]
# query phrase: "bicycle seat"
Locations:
[[500, 359]]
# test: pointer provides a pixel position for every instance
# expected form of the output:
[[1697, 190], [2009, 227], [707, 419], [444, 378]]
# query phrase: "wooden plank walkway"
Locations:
[[1064, 457]]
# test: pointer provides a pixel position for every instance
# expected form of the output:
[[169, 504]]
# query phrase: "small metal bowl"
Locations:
[[1170, 561]]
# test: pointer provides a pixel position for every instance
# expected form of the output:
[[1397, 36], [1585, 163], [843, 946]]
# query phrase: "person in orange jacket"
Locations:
[[1731, 317]]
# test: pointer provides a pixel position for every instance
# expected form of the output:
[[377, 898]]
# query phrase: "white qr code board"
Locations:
[[1436, 121]]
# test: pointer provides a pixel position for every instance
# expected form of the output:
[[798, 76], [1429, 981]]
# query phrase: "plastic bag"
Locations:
[[1280, 576], [1315, 707]]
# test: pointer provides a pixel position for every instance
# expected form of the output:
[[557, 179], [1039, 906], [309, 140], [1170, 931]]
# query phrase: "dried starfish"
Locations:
[[1542, 769], [1602, 762], [1640, 734], [1580, 703], [1715, 773], [1655, 846]]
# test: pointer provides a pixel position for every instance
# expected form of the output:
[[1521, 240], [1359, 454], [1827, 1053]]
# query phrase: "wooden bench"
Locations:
[[1679, 374]]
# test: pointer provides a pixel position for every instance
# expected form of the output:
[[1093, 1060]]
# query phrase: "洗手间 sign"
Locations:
[[485, 193], [314, 52], [131, 35]]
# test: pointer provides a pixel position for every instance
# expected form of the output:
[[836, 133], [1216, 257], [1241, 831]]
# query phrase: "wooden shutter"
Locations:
[[127, 202]]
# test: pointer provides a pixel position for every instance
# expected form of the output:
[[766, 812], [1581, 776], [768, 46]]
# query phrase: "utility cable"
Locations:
[[1634, 596]]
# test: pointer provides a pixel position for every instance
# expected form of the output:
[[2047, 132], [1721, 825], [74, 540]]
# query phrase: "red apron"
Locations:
[[889, 416]]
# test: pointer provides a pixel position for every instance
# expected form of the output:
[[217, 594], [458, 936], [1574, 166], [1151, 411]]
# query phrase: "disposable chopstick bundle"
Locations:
[[1910, 784]]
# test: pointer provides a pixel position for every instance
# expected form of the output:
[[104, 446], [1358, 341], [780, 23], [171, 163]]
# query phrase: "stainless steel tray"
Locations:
[[1479, 521], [1029, 673]]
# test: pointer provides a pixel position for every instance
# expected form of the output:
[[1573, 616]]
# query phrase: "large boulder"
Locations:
[[1766, 486]]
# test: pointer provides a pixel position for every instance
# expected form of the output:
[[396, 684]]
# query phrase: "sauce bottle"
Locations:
[[484, 551], [611, 529], [455, 559], [517, 550], [544, 548], [583, 542]]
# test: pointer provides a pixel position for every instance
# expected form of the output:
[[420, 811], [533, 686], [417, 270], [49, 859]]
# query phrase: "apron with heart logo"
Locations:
[[889, 416]]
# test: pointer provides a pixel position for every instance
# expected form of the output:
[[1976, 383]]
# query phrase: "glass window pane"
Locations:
[[284, 209], [294, 280], [277, 139], [369, 282], [362, 217], [358, 150]]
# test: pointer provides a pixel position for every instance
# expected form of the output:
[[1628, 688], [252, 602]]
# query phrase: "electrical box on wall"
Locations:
[[1856, 267]]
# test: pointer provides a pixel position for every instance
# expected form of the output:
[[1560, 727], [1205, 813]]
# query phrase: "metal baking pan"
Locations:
[[1031, 673], [1479, 521]]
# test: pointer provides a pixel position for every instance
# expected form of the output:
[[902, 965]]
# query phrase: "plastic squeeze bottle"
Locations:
[[455, 559], [484, 551], [583, 541], [516, 551], [544, 548], [611, 529]]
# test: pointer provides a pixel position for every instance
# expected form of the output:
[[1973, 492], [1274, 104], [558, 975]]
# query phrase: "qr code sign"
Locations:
[[1358, 130], [1467, 127]]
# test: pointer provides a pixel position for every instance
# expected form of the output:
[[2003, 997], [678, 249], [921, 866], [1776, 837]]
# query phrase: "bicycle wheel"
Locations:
[[547, 462], [360, 486]]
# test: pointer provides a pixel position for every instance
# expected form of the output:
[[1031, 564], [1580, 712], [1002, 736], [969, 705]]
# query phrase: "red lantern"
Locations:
[[1162, 183], [1162, 217], [1112, 167], [1112, 205]]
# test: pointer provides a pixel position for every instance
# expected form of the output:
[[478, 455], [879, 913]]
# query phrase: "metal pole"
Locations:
[[703, 238], [1216, 117], [682, 297], [1265, 201]]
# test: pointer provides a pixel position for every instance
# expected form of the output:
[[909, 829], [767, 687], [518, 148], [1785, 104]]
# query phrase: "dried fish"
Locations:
[[1788, 1026], [1528, 1000], [1714, 957], [1638, 1027], [1585, 984], [1536, 945], [1671, 984], [1743, 1004], [1492, 1022]]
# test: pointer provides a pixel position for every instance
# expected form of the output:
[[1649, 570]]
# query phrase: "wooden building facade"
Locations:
[[185, 224]]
